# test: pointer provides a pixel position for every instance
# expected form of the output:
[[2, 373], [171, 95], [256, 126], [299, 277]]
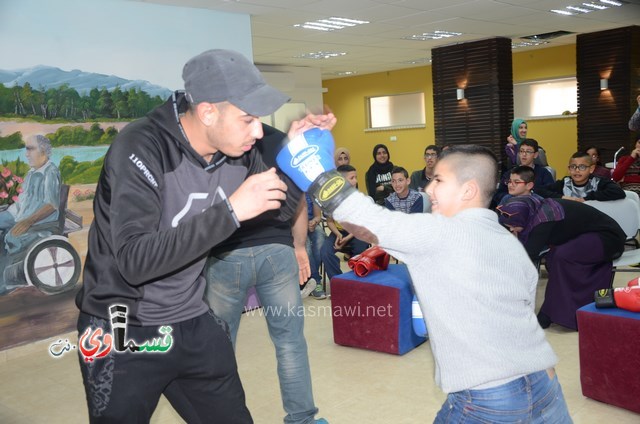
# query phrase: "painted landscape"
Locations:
[[81, 114]]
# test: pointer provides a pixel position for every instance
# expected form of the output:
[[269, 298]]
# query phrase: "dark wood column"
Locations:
[[603, 114], [483, 69]]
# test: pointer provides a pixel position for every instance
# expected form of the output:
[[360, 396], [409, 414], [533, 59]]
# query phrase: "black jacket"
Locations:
[[158, 211]]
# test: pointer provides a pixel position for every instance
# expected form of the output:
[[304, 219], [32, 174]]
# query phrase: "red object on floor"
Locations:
[[374, 312], [609, 342]]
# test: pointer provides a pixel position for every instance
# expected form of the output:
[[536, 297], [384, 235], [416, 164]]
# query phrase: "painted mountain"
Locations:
[[50, 77]]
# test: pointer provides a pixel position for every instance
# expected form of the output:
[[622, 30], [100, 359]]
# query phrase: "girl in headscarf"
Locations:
[[341, 156], [582, 242], [378, 176], [518, 133]]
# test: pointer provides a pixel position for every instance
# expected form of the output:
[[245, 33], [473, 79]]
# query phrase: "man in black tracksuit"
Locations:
[[161, 205]]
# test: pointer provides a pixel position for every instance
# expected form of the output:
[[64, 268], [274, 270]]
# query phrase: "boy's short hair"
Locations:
[[580, 154], [473, 162], [400, 170], [531, 142], [343, 169], [432, 147], [525, 173]]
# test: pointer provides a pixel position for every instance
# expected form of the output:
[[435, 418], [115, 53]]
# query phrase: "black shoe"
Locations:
[[544, 320]]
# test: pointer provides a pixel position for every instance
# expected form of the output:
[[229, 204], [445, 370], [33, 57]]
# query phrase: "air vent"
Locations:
[[547, 35]]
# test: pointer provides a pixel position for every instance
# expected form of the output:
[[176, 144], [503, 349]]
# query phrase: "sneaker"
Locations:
[[309, 287], [318, 293], [321, 421]]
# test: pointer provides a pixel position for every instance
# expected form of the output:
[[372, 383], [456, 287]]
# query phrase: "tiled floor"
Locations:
[[351, 386]]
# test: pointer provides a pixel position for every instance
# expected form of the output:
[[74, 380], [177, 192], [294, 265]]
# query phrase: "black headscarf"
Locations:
[[378, 168]]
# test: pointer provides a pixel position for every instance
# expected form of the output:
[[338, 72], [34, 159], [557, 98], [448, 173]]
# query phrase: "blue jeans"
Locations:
[[328, 253], [315, 239], [534, 398], [273, 270]]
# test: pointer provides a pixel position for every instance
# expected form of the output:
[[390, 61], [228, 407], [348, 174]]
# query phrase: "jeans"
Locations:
[[328, 253], [534, 398], [315, 239], [273, 270]]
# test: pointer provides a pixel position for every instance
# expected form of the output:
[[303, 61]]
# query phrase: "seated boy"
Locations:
[[520, 183], [340, 240], [527, 154], [581, 185], [403, 198], [422, 177]]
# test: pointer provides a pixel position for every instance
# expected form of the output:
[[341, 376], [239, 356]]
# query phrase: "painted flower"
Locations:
[[17, 179], [9, 184], [3, 194], [19, 190], [76, 193], [6, 172], [14, 198]]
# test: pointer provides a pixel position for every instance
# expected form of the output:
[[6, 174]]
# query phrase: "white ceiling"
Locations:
[[378, 46]]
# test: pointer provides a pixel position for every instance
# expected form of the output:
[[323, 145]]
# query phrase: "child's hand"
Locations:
[[511, 140], [575, 199]]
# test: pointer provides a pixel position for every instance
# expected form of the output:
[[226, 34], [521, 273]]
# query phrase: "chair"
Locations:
[[626, 212], [551, 171]]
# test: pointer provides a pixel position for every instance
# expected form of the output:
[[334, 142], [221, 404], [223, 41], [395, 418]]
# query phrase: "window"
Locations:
[[545, 98], [396, 111]]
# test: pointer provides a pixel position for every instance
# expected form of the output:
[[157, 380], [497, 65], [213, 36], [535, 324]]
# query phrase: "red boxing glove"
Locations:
[[371, 259], [627, 298], [634, 282]]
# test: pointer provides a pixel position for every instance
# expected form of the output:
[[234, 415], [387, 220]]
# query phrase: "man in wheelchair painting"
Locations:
[[32, 221]]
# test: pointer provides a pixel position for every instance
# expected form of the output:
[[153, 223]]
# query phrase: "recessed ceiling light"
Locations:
[[319, 55], [561, 12], [331, 24], [418, 61], [595, 6], [518, 44], [578, 9], [592, 6], [435, 35]]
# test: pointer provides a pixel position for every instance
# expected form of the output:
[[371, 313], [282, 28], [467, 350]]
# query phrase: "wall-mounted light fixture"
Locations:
[[460, 93], [604, 84]]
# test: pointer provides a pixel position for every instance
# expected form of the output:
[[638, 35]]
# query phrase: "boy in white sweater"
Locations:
[[476, 286]]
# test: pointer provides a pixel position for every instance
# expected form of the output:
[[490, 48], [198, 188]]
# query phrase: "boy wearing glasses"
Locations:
[[528, 152], [422, 177], [520, 183], [581, 184]]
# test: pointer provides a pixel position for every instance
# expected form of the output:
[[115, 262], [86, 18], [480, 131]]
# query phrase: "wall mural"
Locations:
[[52, 145], [65, 81]]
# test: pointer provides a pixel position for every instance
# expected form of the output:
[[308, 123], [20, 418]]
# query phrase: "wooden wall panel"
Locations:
[[483, 68], [603, 114]]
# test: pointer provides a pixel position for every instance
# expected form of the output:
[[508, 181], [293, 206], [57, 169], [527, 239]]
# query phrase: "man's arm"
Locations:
[[607, 190], [143, 250], [23, 226], [299, 229]]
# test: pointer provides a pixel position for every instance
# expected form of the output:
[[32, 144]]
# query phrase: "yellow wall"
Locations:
[[346, 98]]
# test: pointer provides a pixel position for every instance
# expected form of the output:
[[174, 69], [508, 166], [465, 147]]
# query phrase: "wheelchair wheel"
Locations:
[[52, 265]]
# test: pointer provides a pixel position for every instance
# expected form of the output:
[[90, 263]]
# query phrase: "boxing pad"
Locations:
[[419, 326], [307, 156], [627, 298], [371, 259], [308, 161]]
